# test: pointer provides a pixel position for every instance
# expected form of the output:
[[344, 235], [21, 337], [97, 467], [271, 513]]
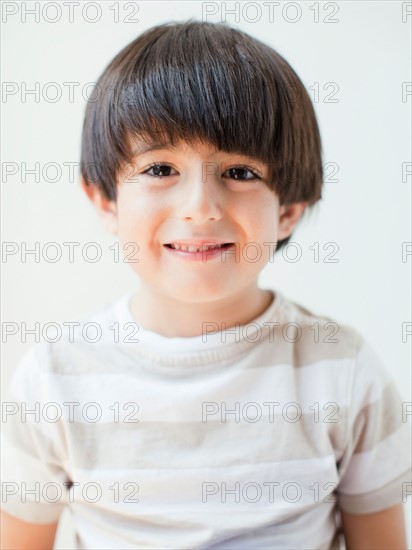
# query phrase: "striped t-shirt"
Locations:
[[247, 438]]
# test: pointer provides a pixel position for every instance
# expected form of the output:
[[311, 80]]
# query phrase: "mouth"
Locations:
[[200, 252], [198, 248]]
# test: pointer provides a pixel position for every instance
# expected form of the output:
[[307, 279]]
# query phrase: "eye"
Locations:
[[237, 173], [158, 167], [161, 170]]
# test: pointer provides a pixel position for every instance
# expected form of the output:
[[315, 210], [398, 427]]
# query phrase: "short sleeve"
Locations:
[[375, 467], [34, 481]]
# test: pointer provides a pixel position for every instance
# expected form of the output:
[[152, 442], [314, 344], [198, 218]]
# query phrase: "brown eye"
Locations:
[[240, 173], [160, 170]]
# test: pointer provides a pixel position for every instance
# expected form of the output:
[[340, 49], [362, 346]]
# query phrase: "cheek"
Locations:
[[139, 224], [260, 218], [134, 214]]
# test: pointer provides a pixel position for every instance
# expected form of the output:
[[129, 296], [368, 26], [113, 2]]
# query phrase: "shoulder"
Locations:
[[316, 336], [69, 347], [340, 351]]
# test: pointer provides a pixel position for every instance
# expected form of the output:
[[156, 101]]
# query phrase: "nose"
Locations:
[[201, 198]]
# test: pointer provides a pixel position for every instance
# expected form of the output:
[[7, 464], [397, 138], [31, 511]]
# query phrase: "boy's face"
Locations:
[[199, 193]]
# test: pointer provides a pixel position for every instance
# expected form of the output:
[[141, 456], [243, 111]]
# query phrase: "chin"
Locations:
[[198, 293]]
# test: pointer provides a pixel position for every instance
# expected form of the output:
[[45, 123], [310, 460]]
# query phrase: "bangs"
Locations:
[[189, 87]]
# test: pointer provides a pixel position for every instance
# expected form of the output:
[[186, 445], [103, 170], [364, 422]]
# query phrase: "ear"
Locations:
[[289, 215], [106, 209]]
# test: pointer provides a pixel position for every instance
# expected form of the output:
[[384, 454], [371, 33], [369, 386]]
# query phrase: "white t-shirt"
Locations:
[[248, 438]]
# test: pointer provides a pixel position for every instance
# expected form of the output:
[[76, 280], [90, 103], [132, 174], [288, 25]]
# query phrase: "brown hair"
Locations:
[[209, 82]]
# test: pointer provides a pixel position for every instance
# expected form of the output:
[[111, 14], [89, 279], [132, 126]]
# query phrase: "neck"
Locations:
[[174, 318]]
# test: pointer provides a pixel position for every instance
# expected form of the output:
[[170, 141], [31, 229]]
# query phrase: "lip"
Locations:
[[201, 256]]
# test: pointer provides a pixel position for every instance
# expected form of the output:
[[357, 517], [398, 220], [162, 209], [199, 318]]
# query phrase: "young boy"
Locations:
[[203, 411]]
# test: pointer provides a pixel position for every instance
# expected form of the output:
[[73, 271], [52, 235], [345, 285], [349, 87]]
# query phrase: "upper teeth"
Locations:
[[193, 248]]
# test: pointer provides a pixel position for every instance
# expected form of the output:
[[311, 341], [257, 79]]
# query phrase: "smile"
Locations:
[[194, 253], [195, 248]]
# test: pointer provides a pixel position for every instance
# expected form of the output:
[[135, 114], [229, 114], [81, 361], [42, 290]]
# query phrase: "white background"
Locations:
[[366, 211]]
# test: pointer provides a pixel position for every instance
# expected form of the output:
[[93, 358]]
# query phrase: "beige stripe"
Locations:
[[378, 420], [84, 358], [31, 440], [383, 497], [183, 445], [33, 512]]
